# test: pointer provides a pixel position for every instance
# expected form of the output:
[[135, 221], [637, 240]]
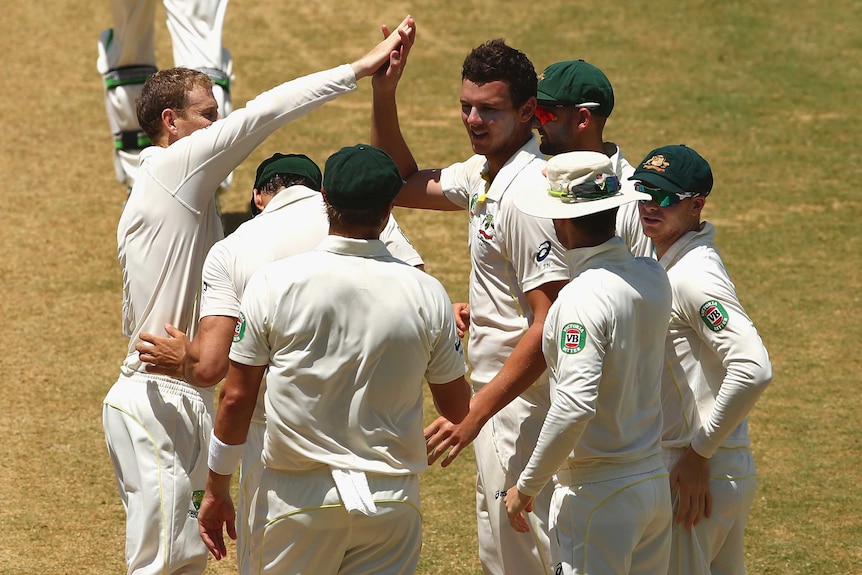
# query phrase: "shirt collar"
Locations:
[[289, 196], [507, 174], [690, 240], [353, 247], [612, 251]]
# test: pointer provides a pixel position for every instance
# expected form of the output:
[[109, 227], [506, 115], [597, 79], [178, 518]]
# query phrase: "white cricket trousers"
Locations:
[[250, 471], [715, 546], [503, 448], [619, 526], [157, 430], [299, 526]]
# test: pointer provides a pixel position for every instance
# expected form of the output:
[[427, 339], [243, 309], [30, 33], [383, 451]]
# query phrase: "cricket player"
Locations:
[[157, 427], [575, 100], [517, 269], [604, 346], [347, 332], [716, 368], [291, 220], [127, 58]]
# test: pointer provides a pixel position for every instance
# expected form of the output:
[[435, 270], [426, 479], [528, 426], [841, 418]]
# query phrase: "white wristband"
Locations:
[[223, 458]]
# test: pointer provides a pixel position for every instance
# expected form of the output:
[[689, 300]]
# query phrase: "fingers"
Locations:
[[214, 540], [453, 453], [174, 332]]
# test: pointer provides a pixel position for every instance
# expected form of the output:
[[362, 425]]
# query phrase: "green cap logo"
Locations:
[[239, 330], [573, 338], [714, 315]]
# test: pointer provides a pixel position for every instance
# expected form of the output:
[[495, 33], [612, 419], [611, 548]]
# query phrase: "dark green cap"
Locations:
[[359, 177], [293, 164], [576, 82], [677, 169]]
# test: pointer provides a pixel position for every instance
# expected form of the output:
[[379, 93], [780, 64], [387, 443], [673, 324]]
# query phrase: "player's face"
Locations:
[[559, 133], [665, 225], [495, 126], [200, 112]]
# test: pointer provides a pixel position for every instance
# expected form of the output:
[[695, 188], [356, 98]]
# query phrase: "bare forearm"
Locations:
[[521, 370]]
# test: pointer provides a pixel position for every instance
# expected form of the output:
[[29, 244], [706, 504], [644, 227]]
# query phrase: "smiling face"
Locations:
[[497, 129]]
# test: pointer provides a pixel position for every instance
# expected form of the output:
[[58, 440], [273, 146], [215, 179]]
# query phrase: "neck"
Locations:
[[355, 232], [663, 245], [498, 160]]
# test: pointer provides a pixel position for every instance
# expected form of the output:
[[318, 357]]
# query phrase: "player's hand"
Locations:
[[462, 317], [387, 77], [381, 54], [215, 513], [516, 504], [689, 478], [164, 355], [443, 435]]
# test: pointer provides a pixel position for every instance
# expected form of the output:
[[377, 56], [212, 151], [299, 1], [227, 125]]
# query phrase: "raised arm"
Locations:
[[422, 188]]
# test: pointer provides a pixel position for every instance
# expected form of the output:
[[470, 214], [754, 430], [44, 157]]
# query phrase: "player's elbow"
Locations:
[[209, 374]]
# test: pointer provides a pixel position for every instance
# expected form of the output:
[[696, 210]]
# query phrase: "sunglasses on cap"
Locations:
[[544, 114], [662, 197], [604, 186]]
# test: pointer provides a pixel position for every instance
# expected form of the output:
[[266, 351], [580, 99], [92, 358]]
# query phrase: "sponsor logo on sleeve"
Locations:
[[573, 338], [239, 330], [714, 315], [544, 251]]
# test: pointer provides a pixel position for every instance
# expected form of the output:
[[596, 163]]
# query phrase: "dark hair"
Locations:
[[598, 224], [372, 217], [493, 61], [278, 181], [166, 89]]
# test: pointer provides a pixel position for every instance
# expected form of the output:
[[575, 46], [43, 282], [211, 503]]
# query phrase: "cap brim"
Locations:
[[656, 180], [539, 203]]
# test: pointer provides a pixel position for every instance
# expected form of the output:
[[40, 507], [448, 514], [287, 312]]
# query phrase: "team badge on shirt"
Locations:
[[573, 338], [714, 315], [239, 330]]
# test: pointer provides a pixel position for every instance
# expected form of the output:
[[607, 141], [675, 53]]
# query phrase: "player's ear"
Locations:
[[528, 110], [697, 204], [169, 121]]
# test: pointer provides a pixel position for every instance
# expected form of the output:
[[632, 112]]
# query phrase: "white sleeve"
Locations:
[[398, 245], [447, 356], [710, 306], [574, 345], [532, 247], [457, 180], [250, 344], [194, 166], [219, 295]]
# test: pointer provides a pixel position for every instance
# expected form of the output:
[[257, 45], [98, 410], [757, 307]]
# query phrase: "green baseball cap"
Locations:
[[677, 169], [577, 83], [359, 177], [294, 164]]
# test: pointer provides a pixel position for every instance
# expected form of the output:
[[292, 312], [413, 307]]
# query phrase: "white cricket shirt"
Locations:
[[348, 333], [716, 365], [604, 345], [169, 222], [510, 252]]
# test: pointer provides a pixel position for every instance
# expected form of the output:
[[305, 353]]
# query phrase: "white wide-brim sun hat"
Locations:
[[578, 184]]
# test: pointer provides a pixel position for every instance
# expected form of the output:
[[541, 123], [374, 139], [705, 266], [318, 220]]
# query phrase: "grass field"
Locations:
[[764, 90]]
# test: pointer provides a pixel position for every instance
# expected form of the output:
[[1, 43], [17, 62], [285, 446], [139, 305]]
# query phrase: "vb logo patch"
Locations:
[[239, 330], [714, 315], [573, 338]]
